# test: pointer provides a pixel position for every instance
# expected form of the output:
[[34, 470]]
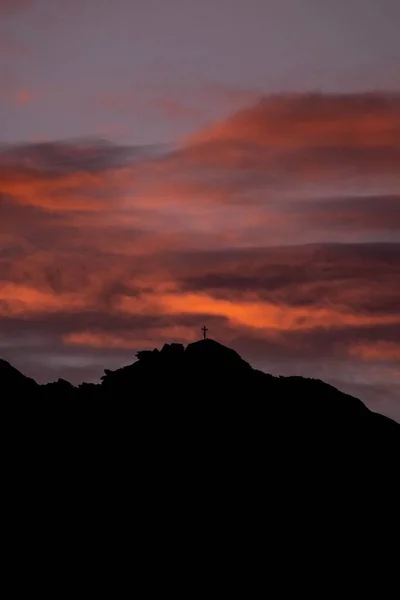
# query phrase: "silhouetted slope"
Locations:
[[209, 382], [194, 447], [205, 370], [208, 370], [13, 381]]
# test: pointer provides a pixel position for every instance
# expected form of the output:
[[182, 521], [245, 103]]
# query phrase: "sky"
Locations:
[[166, 164]]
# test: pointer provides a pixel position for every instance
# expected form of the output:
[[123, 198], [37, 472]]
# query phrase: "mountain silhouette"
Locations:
[[192, 446], [12, 381], [204, 404], [215, 376]]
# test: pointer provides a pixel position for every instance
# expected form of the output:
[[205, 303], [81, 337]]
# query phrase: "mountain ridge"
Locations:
[[203, 369], [197, 432]]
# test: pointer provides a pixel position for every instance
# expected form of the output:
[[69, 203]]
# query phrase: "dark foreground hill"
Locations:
[[207, 379], [189, 458]]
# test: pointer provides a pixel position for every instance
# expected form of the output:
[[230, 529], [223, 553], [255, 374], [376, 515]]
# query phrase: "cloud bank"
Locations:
[[277, 227]]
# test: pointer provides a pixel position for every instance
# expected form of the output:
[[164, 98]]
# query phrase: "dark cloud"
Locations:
[[372, 213], [58, 158], [362, 277]]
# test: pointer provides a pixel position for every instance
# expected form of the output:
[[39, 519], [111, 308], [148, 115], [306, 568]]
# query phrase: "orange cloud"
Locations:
[[27, 300], [67, 192], [255, 226], [65, 177], [298, 120], [256, 314], [303, 140]]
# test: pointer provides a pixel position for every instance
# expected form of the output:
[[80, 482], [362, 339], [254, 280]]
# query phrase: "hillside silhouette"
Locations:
[[192, 446], [211, 376], [205, 405]]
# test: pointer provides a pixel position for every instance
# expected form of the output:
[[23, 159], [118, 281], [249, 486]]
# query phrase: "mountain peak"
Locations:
[[211, 352], [208, 373]]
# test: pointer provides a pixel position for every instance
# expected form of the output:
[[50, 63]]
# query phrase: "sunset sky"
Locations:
[[166, 164]]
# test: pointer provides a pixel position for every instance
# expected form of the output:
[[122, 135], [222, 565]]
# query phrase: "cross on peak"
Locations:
[[204, 330]]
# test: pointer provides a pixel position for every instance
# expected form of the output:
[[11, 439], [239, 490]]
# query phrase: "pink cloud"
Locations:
[[105, 248]]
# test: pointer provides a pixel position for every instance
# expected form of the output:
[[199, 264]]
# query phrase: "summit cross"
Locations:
[[204, 330]]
